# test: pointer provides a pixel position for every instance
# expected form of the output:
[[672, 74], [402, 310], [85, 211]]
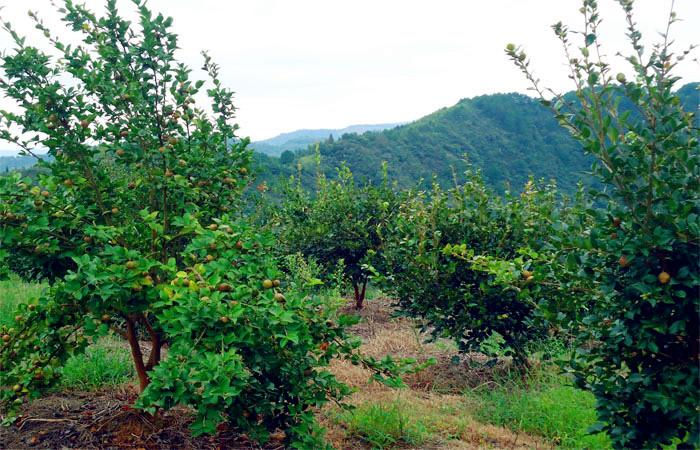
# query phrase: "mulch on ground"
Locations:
[[104, 420]]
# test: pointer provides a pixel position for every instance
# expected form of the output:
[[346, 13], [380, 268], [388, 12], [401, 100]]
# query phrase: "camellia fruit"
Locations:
[[267, 284], [623, 261], [276, 283], [224, 319], [527, 274], [6, 338], [664, 277], [223, 287], [280, 297], [120, 152], [131, 265]]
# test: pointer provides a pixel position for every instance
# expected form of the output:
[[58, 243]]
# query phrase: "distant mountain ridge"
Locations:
[[301, 139]]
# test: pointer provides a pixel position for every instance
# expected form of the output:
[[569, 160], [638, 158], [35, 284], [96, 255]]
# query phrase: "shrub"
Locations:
[[639, 340], [129, 219]]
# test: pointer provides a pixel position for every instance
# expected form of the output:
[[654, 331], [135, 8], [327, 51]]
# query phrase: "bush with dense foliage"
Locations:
[[339, 222], [452, 299], [128, 219], [639, 342]]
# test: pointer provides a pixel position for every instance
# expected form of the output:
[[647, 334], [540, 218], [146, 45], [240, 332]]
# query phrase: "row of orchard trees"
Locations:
[[132, 222], [614, 272]]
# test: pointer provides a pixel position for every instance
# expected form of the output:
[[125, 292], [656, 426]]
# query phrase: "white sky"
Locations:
[[329, 63]]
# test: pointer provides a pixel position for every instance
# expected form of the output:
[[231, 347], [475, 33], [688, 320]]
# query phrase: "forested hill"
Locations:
[[507, 136]]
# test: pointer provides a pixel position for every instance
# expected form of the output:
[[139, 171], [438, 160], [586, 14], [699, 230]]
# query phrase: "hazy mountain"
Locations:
[[301, 139]]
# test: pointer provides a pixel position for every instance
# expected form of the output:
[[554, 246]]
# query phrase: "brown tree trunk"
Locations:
[[156, 345], [136, 353], [360, 294]]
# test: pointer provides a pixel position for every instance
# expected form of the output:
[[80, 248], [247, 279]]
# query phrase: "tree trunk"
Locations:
[[360, 294], [156, 345], [136, 354]]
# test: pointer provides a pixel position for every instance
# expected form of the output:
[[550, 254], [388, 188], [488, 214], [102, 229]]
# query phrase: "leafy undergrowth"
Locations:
[[105, 363]]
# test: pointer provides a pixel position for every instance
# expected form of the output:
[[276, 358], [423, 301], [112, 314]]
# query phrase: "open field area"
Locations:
[[451, 405]]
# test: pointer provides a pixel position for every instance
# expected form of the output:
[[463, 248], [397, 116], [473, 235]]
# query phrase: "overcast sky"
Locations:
[[329, 64]]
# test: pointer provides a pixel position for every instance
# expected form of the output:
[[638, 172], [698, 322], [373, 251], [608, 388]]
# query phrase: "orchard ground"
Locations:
[[458, 403]]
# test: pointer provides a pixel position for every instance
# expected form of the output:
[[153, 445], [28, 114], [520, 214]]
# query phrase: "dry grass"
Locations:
[[432, 398]]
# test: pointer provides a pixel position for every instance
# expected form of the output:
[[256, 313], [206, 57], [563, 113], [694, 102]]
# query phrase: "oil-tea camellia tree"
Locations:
[[340, 221], [639, 343], [128, 218]]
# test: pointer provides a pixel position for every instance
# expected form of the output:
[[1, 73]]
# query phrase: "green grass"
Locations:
[[105, 363], [547, 406], [12, 293], [385, 425]]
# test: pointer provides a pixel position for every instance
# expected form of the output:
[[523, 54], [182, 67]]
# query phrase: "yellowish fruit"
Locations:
[[267, 284], [664, 277]]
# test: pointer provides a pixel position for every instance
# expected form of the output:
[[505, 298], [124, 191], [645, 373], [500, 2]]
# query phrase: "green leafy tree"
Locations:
[[339, 222], [128, 218], [639, 343], [467, 304]]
